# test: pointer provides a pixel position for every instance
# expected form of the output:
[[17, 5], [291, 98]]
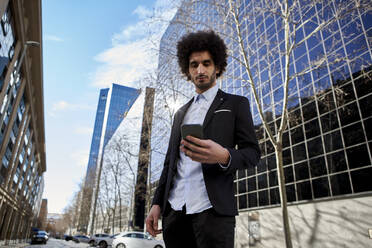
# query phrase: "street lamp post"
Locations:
[[25, 46]]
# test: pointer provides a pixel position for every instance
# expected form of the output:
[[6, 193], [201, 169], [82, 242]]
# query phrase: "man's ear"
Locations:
[[217, 70], [188, 76]]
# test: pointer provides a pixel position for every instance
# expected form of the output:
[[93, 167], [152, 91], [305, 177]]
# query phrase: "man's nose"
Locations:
[[200, 69]]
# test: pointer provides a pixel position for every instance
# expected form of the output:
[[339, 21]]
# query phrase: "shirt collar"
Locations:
[[209, 95]]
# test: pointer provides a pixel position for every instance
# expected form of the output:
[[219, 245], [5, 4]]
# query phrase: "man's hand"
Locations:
[[204, 151], [152, 220]]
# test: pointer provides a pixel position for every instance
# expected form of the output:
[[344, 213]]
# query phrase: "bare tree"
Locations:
[[120, 164], [119, 169], [71, 212]]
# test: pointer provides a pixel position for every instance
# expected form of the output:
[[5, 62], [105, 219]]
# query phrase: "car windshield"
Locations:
[[41, 233], [113, 236]]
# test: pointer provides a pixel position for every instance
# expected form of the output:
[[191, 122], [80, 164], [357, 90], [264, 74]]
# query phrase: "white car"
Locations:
[[80, 238], [136, 240], [105, 241]]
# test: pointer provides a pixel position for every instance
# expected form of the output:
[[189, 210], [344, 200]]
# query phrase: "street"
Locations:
[[59, 243]]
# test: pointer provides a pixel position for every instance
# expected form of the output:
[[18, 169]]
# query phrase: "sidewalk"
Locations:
[[19, 245], [13, 244]]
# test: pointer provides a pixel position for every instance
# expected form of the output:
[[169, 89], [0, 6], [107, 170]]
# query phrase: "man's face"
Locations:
[[202, 71]]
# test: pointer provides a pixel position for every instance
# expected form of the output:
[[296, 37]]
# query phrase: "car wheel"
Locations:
[[91, 243], [158, 246], [102, 244], [120, 246]]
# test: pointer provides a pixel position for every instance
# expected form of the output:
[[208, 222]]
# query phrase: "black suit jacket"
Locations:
[[229, 123]]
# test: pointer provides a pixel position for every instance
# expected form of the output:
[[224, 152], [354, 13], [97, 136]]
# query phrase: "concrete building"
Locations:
[[43, 214], [328, 141], [22, 134]]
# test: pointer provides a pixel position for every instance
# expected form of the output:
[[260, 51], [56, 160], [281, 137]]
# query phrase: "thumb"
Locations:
[[156, 222]]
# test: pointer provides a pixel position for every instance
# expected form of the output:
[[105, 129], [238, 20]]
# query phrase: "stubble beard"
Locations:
[[204, 86]]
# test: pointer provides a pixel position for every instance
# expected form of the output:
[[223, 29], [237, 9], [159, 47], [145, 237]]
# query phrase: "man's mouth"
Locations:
[[202, 78]]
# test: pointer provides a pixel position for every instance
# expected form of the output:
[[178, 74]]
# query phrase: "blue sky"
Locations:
[[87, 45]]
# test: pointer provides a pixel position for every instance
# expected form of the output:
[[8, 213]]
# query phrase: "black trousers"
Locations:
[[207, 229]]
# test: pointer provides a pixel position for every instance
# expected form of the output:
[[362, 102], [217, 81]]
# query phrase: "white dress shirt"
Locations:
[[189, 187]]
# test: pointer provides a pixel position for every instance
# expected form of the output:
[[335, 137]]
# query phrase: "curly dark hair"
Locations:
[[198, 42]]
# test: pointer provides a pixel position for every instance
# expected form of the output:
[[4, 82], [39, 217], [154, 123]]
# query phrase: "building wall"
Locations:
[[325, 224], [22, 134], [327, 144], [42, 217]]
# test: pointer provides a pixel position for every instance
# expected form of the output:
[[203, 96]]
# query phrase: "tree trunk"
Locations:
[[113, 220], [283, 194], [120, 224]]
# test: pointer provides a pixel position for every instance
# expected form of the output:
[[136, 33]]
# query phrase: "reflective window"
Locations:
[[327, 144]]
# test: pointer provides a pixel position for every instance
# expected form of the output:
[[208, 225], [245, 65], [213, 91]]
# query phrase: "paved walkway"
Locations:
[[52, 243], [18, 245]]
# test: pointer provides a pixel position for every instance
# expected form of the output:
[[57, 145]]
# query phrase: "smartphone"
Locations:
[[195, 130]]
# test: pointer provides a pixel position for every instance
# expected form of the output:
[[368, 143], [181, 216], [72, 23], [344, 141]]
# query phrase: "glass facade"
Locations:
[[22, 140], [97, 131], [113, 105], [16, 139], [120, 99], [327, 143]]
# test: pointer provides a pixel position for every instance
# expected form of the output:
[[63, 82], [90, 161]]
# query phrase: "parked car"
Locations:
[[93, 238], [39, 237], [104, 242], [136, 240], [81, 238], [67, 237]]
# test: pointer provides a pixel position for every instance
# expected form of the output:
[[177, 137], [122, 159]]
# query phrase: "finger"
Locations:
[[187, 152], [149, 226], [198, 158], [197, 141], [155, 225], [184, 144], [194, 148], [195, 156]]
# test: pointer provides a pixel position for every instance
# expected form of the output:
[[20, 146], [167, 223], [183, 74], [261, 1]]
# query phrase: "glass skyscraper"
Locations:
[[328, 141], [113, 105]]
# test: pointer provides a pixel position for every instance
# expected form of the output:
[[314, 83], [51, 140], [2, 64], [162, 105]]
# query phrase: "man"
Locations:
[[195, 193]]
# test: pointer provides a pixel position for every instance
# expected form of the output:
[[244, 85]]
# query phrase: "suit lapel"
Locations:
[[218, 100], [178, 121], [181, 115]]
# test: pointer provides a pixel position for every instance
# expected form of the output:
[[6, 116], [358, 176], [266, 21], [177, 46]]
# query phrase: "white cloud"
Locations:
[[63, 105], [142, 12], [134, 50], [53, 38], [123, 63]]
